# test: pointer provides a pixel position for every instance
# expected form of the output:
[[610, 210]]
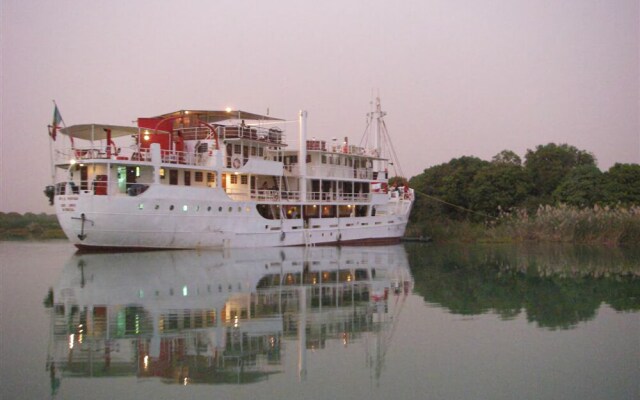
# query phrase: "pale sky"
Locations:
[[456, 77]]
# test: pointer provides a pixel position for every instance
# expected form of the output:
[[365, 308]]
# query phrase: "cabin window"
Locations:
[[260, 152], [211, 178], [308, 158], [198, 176], [237, 149], [173, 177], [244, 179], [84, 177], [234, 179], [203, 147], [162, 173], [254, 151], [324, 158], [187, 178]]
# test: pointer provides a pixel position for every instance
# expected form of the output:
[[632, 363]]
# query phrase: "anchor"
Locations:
[[82, 218]]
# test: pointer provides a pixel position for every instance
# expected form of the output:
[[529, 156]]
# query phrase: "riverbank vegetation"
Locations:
[[557, 194], [29, 226]]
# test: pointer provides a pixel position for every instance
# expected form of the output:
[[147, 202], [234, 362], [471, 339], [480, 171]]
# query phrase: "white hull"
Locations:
[[218, 222]]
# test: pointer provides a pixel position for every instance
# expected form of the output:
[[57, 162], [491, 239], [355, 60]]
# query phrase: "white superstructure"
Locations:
[[219, 179]]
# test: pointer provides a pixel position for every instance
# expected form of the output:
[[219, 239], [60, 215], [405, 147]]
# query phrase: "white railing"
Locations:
[[330, 171], [294, 196], [64, 156]]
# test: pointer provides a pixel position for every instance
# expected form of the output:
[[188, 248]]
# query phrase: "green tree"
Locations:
[[549, 164], [456, 185], [581, 187], [622, 184], [507, 157], [500, 185]]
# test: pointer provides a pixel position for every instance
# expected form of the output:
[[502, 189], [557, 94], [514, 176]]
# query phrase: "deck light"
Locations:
[[228, 109], [72, 161], [146, 134]]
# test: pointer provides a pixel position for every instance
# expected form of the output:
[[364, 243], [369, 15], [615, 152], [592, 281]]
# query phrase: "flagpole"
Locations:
[[51, 150]]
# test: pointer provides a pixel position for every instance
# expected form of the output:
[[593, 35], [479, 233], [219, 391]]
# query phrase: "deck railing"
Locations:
[[65, 156]]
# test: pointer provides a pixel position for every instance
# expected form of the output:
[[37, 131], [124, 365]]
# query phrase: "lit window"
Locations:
[[141, 206], [185, 208]]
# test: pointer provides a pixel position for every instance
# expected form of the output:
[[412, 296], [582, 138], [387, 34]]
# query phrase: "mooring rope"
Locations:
[[452, 205]]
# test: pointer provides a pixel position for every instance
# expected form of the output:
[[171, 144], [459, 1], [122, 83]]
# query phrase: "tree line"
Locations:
[[551, 174], [15, 226], [556, 193]]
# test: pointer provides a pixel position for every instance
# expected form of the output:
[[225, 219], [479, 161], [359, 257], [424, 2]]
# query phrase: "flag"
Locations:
[[57, 118]]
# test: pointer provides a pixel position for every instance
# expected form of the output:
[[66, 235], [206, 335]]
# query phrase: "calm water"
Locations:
[[400, 322]]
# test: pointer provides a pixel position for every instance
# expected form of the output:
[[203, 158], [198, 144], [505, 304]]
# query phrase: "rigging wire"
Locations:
[[453, 205]]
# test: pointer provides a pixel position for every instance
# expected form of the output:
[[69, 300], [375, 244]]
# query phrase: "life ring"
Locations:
[[236, 162]]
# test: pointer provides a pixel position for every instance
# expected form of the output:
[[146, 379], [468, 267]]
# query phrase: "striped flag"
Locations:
[[57, 119]]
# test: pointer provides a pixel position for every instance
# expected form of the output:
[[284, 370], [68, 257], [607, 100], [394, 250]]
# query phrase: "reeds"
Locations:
[[567, 224], [611, 226]]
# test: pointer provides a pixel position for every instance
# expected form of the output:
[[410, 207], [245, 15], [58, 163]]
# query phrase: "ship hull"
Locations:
[[181, 219]]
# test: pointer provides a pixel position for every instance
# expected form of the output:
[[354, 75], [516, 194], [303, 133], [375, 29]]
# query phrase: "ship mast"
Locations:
[[379, 115]]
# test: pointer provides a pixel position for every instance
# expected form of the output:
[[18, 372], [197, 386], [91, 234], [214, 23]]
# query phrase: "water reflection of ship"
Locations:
[[220, 317]]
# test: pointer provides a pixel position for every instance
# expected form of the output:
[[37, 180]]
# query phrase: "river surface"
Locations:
[[410, 321]]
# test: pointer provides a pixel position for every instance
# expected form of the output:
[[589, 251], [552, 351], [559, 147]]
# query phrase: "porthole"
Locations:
[[157, 206], [209, 208], [185, 208], [171, 207], [230, 209], [239, 209], [220, 209], [141, 206]]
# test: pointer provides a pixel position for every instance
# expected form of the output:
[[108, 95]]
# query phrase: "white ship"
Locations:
[[221, 179]]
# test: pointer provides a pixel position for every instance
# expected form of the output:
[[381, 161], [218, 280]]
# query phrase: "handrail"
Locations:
[[64, 156]]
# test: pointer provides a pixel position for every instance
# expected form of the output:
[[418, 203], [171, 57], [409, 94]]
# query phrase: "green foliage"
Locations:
[[397, 181], [507, 157], [559, 194], [29, 226], [548, 165], [582, 187], [622, 184], [499, 186]]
